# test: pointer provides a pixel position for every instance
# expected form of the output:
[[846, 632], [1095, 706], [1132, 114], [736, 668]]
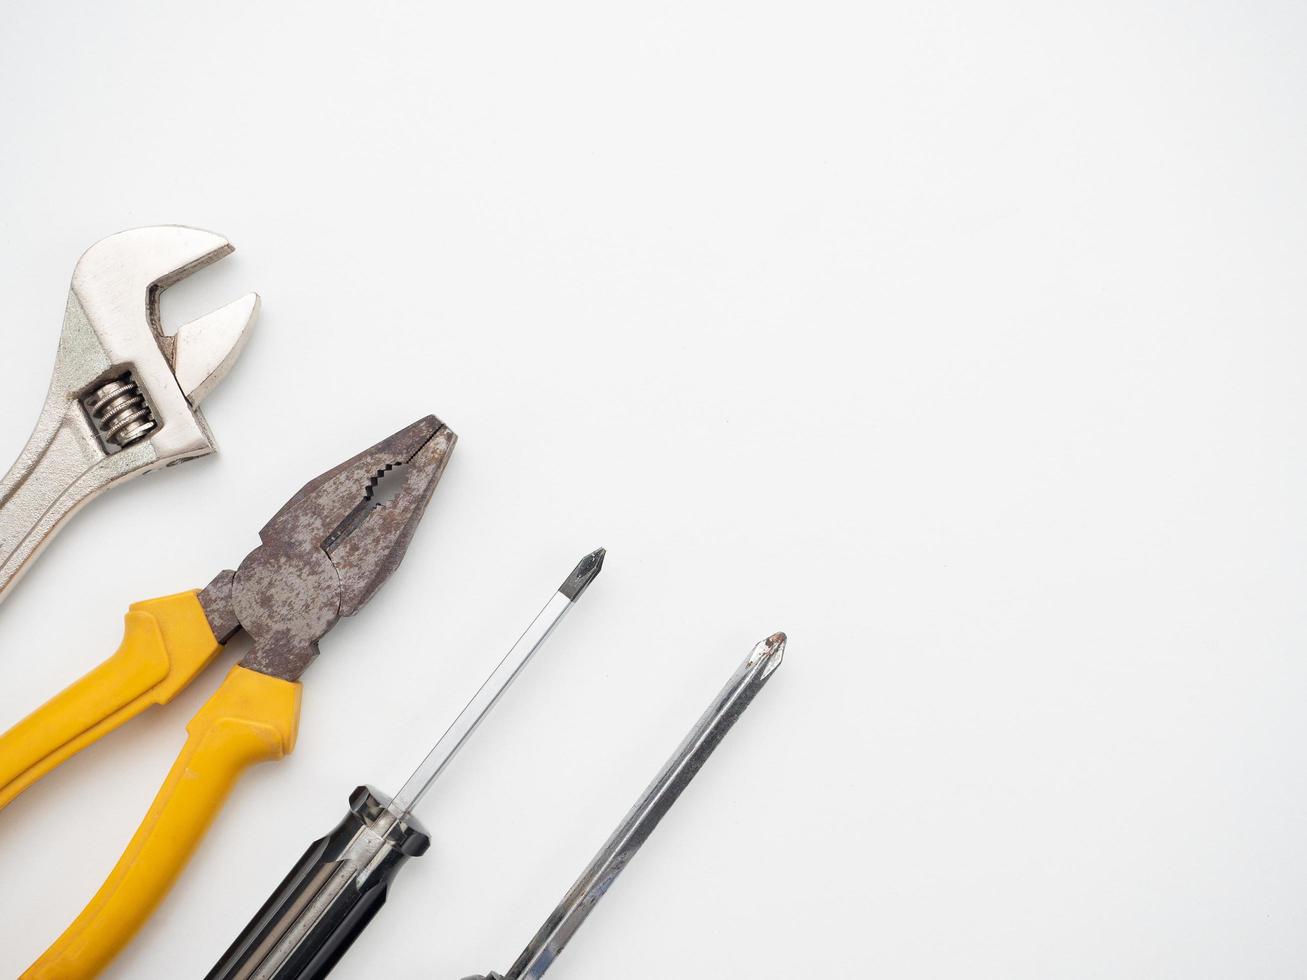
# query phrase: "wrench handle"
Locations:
[[60, 469]]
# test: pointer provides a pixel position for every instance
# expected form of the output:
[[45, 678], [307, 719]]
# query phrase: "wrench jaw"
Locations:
[[116, 287], [112, 334], [205, 349]]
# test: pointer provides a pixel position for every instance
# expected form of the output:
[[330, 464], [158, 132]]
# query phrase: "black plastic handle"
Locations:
[[328, 898]]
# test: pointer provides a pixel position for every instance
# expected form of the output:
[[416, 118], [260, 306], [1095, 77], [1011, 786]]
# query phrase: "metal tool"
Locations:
[[342, 880], [123, 399], [635, 829], [323, 556]]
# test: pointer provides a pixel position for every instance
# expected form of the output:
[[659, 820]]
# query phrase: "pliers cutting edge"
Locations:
[[322, 556]]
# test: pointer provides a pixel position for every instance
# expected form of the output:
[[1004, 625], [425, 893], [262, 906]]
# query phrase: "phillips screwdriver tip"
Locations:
[[583, 574], [771, 650]]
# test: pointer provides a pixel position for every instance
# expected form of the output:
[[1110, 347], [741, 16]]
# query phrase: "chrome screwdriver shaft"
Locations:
[[495, 685], [652, 806]]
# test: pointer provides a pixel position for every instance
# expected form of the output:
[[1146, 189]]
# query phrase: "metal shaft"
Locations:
[[635, 829], [495, 685]]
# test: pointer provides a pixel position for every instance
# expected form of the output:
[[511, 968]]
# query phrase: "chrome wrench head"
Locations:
[[123, 397], [113, 319]]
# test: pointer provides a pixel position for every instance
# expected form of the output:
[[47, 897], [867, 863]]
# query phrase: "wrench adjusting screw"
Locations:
[[119, 412]]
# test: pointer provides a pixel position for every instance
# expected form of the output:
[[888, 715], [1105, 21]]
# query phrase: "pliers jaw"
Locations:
[[342, 514], [328, 550]]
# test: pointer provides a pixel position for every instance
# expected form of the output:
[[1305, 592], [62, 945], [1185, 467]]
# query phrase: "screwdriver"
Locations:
[[652, 806], [341, 882]]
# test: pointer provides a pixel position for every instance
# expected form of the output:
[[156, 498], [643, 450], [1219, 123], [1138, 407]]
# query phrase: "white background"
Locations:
[[964, 342]]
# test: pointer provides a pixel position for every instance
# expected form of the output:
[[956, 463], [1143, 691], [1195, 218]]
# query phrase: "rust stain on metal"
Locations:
[[328, 550]]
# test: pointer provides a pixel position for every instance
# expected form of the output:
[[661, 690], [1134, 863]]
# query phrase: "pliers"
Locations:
[[323, 556]]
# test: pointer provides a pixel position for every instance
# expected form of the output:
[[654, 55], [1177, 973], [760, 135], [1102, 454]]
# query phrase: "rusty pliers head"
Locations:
[[329, 549]]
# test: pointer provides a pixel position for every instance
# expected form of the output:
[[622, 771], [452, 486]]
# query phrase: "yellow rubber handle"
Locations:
[[251, 718], [166, 642]]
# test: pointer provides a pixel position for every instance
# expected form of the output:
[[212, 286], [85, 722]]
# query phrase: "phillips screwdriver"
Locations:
[[341, 882], [640, 822]]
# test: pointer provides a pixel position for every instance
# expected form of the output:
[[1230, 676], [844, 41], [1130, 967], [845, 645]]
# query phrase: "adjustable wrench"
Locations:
[[123, 397]]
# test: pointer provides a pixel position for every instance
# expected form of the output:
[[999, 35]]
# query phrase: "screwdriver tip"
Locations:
[[772, 650], [583, 574]]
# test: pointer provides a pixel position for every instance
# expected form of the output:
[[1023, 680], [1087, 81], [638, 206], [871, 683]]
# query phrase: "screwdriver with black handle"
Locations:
[[639, 823], [342, 880]]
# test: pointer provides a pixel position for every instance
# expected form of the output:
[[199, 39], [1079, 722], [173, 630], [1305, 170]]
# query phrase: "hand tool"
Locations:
[[323, 556], [123, 399], [635, 829], [342, 880]]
